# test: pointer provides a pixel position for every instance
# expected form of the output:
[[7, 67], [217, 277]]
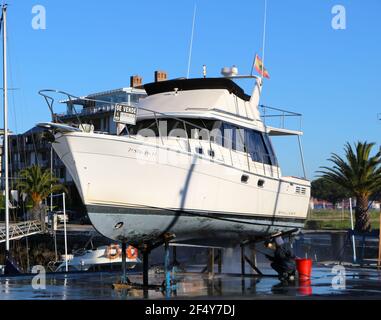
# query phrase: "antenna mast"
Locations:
[[264, 37], [191, 41], [5, 146], [263, 42]]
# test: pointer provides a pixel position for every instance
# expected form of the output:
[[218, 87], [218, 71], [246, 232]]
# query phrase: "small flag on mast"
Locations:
[[258, 64]]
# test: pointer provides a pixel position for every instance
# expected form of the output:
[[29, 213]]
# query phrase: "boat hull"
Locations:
[[132, 196], [95, 258], [201, 228]]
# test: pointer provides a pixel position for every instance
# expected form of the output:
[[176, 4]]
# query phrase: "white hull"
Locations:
[[124, 179], [90, 258]]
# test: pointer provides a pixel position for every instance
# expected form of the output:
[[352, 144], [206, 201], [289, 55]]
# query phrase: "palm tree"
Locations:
[[37, 184], [360, 174]]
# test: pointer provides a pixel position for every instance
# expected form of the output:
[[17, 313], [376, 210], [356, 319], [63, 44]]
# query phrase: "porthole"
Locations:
[[261, 183]]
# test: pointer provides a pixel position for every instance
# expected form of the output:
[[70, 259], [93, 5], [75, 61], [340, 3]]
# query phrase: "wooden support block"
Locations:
[[121, 286]]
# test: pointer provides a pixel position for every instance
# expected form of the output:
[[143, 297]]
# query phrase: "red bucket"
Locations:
[[305, 288], [304, 267]]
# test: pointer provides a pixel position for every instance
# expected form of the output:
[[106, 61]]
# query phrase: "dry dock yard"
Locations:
[[329, 279], [358, 284]]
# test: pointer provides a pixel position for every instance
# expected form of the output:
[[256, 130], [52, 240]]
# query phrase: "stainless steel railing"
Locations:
[[279, 115]]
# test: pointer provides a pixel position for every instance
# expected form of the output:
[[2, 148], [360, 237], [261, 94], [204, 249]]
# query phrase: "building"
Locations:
[[99, 111], [317, 204]]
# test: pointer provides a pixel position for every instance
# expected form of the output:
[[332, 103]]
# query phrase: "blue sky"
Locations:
[[330, 76]]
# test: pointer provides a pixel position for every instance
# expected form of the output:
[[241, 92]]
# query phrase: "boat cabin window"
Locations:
[[257, 147], [174, 128], [270, 149], [233, 137], [256, 144]]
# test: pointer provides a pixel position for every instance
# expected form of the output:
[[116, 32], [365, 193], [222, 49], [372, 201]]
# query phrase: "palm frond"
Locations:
[[36, 181], [358, 172]]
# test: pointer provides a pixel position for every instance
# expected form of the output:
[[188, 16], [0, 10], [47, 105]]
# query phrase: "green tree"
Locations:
[[327, 190], [360, 174], [38, 184]]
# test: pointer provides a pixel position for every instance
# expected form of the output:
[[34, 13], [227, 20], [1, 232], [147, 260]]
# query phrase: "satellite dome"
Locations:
[[229, 71]]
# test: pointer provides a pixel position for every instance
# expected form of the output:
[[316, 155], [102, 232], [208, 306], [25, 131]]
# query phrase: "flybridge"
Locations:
[[196, 84]]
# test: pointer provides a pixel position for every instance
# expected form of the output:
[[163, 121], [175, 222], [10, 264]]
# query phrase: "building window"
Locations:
[[44, 156]]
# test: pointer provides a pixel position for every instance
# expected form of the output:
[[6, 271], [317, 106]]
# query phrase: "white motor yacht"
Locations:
[[198, 164]]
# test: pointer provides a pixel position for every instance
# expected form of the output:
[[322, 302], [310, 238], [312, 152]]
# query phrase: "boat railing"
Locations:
[[278, 117], [50, 102], [46, 93]]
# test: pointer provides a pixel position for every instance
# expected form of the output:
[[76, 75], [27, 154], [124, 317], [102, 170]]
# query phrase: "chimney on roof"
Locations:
[[160, 76], [135, 81]]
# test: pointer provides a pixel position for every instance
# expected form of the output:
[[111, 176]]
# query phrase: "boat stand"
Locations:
[[124, 279], [169, 283], [252, 262], [212, 259], [146, 249]]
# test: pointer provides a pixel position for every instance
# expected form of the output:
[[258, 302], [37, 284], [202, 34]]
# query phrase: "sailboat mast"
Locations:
[[5, 146]]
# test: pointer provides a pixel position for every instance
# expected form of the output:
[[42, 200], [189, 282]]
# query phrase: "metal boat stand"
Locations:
[[253, 261], [168, 284], [212, 259], [125, 279]]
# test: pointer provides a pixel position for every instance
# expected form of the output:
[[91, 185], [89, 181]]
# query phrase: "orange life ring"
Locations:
[[113, 251], [132, 253]]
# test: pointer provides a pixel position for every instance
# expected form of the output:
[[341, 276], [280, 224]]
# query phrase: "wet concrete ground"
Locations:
[[357, 284], [327, 281]]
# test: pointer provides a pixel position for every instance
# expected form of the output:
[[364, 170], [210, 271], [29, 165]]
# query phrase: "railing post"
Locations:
[[302, 157], [158, 128], [185, 129], [264, 115], [210, 145], [283, 120]]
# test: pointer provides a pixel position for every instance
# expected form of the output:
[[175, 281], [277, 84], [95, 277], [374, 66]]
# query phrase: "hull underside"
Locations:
[[199, 228]]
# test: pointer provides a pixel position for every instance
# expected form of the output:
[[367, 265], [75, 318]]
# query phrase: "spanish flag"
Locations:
[[260, 68]]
